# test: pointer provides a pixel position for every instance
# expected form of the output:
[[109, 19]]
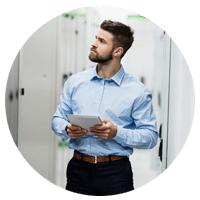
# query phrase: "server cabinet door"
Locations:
[[165, 101], [181, 101], [36, 103]]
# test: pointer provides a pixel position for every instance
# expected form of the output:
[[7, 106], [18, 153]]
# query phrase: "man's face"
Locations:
[[102, 48]]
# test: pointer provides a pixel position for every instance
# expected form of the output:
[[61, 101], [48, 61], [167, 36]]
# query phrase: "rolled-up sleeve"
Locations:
[[144, 135]]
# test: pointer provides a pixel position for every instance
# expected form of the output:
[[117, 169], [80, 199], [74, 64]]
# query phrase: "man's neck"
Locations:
[[108, 70]]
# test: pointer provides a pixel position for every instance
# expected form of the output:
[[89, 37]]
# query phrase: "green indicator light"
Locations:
[[60, 144], [73, 15], [136, 16], [66, 144]]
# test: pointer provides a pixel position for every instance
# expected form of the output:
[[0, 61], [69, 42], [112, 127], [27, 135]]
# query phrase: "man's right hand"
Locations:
[[76, 131]]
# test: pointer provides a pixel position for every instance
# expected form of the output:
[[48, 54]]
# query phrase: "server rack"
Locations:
[[11, 99]]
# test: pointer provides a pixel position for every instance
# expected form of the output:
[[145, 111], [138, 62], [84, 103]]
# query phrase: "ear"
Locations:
[[118, 51]]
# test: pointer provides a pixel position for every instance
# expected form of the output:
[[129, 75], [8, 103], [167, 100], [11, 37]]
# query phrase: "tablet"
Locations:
[[84, 121]]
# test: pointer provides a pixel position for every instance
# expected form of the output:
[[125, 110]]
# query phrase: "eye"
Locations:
[[102, 41]]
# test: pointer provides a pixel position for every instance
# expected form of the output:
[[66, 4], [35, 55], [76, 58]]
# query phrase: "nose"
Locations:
[[94, 44]]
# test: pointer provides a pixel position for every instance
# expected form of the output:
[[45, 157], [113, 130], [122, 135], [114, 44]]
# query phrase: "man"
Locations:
[[101, 165]]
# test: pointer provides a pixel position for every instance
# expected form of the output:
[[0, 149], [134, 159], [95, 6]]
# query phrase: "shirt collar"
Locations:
[[117, 78]]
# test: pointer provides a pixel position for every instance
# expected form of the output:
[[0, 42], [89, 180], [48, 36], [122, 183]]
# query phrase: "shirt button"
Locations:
[[98, 102]]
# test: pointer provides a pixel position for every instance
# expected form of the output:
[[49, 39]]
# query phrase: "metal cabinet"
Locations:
[[37, 71], [178, 103], [181, 103], [164, 120]]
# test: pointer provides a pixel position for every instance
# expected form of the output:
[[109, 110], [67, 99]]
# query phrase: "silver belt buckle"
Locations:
[[95, 159]]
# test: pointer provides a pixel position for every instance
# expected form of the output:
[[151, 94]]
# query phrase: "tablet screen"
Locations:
[[84, 121]]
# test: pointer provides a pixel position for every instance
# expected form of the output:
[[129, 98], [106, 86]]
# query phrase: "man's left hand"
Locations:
[[106, 131]]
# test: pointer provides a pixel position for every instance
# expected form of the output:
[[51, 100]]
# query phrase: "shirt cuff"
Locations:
[[120, 136], [64, 131]]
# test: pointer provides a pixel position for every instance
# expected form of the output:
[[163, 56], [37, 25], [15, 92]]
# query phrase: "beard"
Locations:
[[94, 57]]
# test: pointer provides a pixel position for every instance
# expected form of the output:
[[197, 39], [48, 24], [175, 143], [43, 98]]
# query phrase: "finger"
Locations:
[[105, 120], [73, 127], [106, 124], [74, 136], [78, 133], [82, 131], [101, 127], [104, 136], [95, 130], [101, 133]]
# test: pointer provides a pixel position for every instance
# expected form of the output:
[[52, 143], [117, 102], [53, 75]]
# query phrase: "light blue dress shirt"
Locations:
[[122, 99]]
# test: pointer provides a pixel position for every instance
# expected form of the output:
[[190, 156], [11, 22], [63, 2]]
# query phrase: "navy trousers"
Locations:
[[104, 178]]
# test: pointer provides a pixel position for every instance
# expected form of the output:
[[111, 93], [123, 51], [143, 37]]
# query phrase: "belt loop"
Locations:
[[81, 157], [110, 158], [95, 159]]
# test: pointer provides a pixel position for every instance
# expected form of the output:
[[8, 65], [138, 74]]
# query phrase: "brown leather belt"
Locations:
[[95, 159]]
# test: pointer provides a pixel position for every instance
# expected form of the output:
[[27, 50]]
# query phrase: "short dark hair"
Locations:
[[123, 34]]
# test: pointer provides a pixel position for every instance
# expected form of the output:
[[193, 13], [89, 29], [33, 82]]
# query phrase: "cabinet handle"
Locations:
[[22, 91]]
